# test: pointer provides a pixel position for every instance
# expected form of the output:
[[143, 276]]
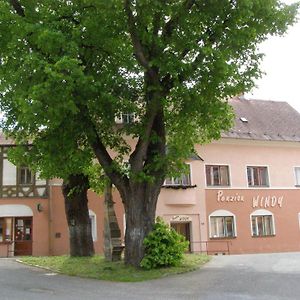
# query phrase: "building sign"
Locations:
[[181, 218], [231, 198], [257, 201], [267, 201]]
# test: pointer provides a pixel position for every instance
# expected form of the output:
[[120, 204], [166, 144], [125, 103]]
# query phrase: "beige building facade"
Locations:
[[244, 192]]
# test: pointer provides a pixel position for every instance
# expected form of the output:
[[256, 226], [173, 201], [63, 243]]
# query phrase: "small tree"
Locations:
[[164, 247]]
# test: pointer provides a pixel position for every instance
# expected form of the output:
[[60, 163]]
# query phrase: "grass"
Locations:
[[98, 268]]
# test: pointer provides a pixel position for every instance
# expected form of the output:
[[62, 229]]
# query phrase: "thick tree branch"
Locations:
[[155, 31], [101, 152], [157, 148], [106, 162], [17, 7], [139, 51], [171, 24], [167, 81], [138, 156], [156, 23], [153, 100]]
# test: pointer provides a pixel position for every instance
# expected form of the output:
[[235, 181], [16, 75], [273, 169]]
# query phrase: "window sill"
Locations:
[[258, 186], [6, 242], [264, 236], [218, 186], [223, 238], [177, 187]]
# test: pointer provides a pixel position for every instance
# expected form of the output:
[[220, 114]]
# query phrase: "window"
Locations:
[[222, 224], [125, 118], [5, 229], [297, 175], [92, 216], [257, 176], [217, 175], [128, 118], [25, 176], [183, 180], [221, 227], [262, 222]]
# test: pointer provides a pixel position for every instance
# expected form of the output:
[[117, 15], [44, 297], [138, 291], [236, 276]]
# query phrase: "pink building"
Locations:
[[241, 195], [244, 194]]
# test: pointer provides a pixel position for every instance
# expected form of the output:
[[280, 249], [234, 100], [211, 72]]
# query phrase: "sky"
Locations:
[[282, 67]]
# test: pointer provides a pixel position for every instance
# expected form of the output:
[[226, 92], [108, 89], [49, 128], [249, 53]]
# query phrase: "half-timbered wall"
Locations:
[[10, 183]]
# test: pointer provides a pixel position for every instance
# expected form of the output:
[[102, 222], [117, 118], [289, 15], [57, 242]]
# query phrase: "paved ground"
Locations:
[[260, 276]]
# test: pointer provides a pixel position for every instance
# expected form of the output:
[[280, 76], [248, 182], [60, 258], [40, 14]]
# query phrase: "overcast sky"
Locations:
[[282, 65]]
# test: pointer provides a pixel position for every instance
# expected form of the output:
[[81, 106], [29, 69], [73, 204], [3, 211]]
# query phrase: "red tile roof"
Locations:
[[264, 120], [4, 140]]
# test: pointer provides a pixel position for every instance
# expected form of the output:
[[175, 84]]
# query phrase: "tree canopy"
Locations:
[[68, 69]]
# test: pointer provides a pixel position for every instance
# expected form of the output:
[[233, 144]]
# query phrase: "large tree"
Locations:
[[172, 63], [52, 157]]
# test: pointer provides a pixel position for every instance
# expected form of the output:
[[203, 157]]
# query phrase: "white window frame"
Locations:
[[258, 166], [297, 184], [218, 165], [7, 231], [93, 219], [126, 118], [222, 213], [28, 174], [260, 213], [173, 179], [9, 173]]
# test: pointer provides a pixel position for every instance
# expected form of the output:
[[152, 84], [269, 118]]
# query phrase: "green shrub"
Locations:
[[163, 247]]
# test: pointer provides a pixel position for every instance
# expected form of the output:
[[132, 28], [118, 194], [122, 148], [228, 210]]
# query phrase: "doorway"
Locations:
[[23, 236], [183, 228]]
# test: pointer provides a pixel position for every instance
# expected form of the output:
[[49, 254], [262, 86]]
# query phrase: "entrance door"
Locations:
[[184, 229], [23, 236]]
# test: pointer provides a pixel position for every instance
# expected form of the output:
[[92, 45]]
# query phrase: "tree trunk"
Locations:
[[77, 213], [139, 195], [140, 208]]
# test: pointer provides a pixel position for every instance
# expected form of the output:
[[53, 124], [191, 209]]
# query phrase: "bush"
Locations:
[[164, 247]]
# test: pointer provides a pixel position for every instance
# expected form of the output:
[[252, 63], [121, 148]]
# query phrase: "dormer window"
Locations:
[[125, 118], [128, 118]]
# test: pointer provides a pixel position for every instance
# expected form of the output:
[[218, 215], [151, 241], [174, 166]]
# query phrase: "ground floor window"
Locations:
[[222, 224], [93, 221], [6, 229], [262, 222], [222, 227]]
